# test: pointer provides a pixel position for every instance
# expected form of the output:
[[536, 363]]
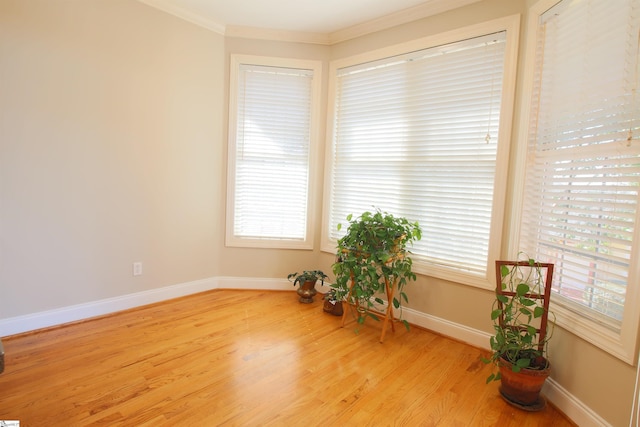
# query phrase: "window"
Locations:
[[272, 137], [582, 179], [422, 131]]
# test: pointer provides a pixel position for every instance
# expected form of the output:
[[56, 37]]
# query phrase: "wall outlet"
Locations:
[[137, 269]]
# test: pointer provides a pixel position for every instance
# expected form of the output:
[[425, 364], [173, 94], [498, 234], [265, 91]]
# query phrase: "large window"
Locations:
[[272, 136], [422, 131], [582, 179]]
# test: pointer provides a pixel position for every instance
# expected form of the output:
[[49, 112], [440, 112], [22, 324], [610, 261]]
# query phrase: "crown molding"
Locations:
[[421, 11], [187, 15], [277, 35], [411, 14]]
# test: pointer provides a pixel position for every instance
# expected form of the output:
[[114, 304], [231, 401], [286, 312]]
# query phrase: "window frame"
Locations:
[[236, 61], [623, 345], [510, 25]]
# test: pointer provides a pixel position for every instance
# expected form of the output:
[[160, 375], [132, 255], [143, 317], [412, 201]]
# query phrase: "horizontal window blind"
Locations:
[[416, 135], [583, 164], [272, 152]]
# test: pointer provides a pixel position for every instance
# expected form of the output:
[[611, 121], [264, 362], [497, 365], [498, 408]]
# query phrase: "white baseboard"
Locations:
[[573, 408], [459, 332], [563, 400], [58, 316]]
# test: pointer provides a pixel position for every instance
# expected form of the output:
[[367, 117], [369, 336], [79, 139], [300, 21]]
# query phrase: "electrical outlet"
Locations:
[[137, 269]]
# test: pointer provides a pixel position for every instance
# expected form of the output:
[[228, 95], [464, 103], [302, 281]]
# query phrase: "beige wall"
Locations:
[[113, 148], [110, 151]]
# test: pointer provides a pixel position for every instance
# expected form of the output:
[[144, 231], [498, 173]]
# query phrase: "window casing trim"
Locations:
[[236, 60], [623, 345]]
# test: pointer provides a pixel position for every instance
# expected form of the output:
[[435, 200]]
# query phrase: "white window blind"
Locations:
[[416, 135], [271, 144], [583, 170]]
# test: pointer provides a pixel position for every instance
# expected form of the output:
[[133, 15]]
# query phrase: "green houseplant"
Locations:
[[307, 281], [372, 260], [520, 316]]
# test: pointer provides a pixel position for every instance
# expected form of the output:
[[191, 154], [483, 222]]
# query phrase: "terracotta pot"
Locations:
[[307, 290], [523, 388]]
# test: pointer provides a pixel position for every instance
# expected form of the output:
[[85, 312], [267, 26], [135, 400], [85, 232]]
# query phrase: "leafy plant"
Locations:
[[520, 317], [331, 295], [306, 276], [371, 255]]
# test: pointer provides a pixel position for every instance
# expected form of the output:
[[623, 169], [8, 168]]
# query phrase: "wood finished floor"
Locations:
[[248, 358]]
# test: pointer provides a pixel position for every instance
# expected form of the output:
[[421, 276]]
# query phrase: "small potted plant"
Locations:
[[519, 346], [332, 304], [372, 260], [307, 281]]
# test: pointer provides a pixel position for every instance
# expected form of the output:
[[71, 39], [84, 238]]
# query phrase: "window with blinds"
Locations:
[[417, 135], [271, 138], [583, 164]]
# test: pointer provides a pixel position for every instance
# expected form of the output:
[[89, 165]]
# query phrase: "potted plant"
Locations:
[[307, 281], [332, 304], [372, 260], [520, 315]]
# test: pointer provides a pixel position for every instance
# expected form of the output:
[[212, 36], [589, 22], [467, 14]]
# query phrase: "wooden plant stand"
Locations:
[[387, 315]]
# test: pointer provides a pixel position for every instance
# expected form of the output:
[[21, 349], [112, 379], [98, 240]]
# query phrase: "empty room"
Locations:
[[460, 179]]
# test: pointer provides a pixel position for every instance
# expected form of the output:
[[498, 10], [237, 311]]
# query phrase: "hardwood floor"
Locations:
[[248, 358]]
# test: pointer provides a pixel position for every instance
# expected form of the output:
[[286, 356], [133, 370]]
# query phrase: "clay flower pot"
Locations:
[[522, 389]]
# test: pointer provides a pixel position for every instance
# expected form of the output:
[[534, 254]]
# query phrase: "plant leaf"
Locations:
[[526, 311], [522, 289], [504, 271]]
